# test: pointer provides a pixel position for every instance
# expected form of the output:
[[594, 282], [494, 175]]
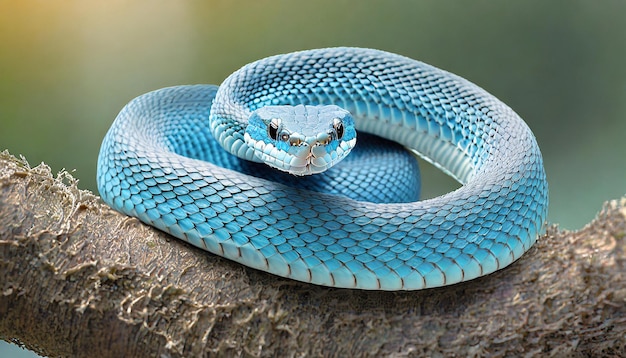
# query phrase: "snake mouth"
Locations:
[[316, 161], [302, 159], [313, 166], [299, 165]]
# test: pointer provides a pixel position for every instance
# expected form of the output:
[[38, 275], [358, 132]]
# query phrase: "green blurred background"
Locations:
[[68, 67]]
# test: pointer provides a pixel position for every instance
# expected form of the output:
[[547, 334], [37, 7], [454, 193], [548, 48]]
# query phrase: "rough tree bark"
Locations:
[[78, 279]]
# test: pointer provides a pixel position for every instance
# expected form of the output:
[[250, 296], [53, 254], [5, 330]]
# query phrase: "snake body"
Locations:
[[154, 172]]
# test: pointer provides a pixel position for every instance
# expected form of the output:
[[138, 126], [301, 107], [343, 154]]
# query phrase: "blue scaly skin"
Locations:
[[324, 238]]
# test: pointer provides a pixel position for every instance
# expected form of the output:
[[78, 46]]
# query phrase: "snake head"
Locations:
[[301, 140]]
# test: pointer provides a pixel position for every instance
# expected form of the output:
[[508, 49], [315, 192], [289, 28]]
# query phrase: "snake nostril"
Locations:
[[323, 138], [295, 140]]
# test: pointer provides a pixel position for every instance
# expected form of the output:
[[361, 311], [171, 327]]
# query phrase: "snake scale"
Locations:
[[159, 163]]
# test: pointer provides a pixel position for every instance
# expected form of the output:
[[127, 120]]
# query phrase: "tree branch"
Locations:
[[78, 279]]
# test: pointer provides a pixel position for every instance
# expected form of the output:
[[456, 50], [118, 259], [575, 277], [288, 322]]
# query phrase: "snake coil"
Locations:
[[149, 168]]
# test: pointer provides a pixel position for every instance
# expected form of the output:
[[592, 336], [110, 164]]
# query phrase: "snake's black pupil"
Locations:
[[338, 128], [272, 130]]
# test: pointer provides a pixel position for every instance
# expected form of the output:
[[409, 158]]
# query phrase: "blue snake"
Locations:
[[171, 159]]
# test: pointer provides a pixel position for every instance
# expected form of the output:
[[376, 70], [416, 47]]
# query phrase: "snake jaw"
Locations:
[[310, 158]]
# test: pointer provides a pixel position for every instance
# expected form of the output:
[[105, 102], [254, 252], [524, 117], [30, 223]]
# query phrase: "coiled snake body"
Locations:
[[149, 167]]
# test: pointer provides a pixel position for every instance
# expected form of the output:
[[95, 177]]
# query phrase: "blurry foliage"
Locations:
[[67, 68]]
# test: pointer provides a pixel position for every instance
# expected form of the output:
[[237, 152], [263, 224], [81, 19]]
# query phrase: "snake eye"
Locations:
[[338, 126], [272, 128]]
